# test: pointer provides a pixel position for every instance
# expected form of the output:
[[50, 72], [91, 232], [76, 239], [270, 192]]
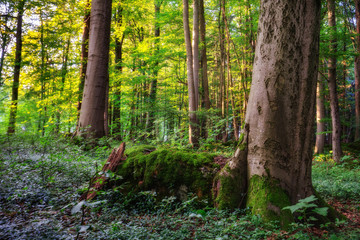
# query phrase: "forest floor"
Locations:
[[41, 180]]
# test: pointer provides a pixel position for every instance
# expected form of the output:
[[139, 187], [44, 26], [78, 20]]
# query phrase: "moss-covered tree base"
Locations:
[[267, 199]]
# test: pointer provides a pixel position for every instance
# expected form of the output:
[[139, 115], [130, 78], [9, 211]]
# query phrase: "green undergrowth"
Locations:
[[42, 178], [337, 180]]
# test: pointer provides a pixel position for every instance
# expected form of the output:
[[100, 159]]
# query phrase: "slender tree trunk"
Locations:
[[42, 112], [334, 102], [91, 121], [5, 41], [153, 85], [193, 123], [63, 78], [357, 72], [17, 67], [84, 54], [204, 66], [273, 162], [320, 115]]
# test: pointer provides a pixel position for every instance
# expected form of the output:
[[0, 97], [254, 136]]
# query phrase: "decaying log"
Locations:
[[98, 182]]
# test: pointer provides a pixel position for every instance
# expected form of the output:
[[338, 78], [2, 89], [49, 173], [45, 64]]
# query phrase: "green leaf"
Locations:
[[321, 211], [308, 199]]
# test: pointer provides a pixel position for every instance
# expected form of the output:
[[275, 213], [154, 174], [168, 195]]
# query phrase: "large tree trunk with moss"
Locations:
[[91, 121], [275, 152]]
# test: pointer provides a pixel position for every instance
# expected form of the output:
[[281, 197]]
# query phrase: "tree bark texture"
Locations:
[[17, 68], [193, 107], [276, 146], [357, 72], [84, 53], [320, 115], [91, 120], [334, 102]]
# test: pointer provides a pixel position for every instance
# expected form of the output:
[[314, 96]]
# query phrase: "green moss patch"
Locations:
[[229, 188], [168, 171], [267, 199]]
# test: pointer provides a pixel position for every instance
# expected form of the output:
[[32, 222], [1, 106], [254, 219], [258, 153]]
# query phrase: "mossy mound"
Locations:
[[168, 172]]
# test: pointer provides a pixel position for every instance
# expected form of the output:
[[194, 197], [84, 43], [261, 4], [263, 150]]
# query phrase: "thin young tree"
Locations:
[[334, 102], [357, 71], [17, 68], [91, 121], [192, 57]]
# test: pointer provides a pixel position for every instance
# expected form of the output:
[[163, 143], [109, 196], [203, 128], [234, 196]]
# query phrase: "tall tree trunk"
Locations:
[[205, 101], [357, 72], [203, 57], [273, 162], [5, 41], [193, 122], [63, 78], [91, 121], [334, 102], [118, 66], [320, 115], [17, 67], [153, 85], [84, 53]]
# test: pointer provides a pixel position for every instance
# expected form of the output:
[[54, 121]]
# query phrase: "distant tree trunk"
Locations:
[[204, 67], [42, 111], [5, 41], [63, 78], [118, 66], [320, 115], [91, 121], [272, 164], [193, 107], [17, 67], [84, 53], [153, 85], [357, 72], [334, 102]]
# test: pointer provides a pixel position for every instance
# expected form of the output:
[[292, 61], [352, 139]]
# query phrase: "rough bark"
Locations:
[[320, 115], [193, 122], [334, 102], [357, 72], [91, 121], [84, 54], [277, 143], [17, 68]]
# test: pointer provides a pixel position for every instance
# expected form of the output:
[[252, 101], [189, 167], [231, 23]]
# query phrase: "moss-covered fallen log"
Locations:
[[169, 172]]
